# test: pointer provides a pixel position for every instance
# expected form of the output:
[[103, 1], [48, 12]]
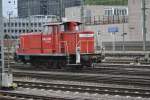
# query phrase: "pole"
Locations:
[[8, 47], [2, 43], [82, 15], [144, 24], [123, 35], [123, 44], [9, 21], [61, 10], [29, 15], [8, 42], [98, 38], [114, 45]]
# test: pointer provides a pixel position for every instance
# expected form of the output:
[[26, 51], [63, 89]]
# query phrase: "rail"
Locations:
[[89, 89]]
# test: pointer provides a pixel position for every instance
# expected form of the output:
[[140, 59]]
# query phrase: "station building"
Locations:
[[127, 20], [16, 26]]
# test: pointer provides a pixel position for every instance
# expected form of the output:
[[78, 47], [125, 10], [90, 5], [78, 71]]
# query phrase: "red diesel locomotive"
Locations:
[[59, 45]]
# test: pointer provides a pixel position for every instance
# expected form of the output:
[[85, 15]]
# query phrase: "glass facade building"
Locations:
[[44, 7]]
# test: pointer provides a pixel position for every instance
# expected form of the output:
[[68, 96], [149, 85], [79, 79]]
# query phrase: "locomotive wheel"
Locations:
[[54, 65], [74, 67], [35, 65], [59, 64], [62, 64]]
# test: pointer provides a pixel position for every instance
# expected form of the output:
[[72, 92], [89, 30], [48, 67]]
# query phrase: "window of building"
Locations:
[[15, 24], [35, 24], [20, 31], [31, 24], [120, 12], [5, 24], [108, 12], [117, 12], [23, 31], [19, 24], [5, 31], [27, 24], [8, 24], [16, 31], [12, 24], [40, 24], [124, 12], [12, 31], [23, 24]]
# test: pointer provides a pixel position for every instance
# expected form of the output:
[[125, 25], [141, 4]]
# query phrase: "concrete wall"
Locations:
[[135, 20], [148, 19], [74, 13], [105, 35]]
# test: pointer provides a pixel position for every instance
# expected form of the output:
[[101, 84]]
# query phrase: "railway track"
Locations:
[[127, 75], [123, 70], [116, 69], [119, 60], [86, 77], [13, 95], [89, 89], [69, 92], [106, 73]]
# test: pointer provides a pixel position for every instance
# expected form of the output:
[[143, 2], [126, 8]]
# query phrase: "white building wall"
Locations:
[[105, 35], [134, 26]]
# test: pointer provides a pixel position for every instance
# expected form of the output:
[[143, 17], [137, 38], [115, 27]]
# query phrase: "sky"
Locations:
[[10, 7]]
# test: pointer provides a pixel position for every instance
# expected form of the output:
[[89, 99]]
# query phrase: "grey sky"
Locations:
[[10, 6]]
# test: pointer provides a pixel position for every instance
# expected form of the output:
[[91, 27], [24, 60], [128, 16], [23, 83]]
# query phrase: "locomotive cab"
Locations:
[[72, 26]]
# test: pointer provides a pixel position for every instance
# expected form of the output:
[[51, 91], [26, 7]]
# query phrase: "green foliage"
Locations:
[[106, 2]]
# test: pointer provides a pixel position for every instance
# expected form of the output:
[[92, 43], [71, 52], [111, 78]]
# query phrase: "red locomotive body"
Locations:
[[57, 47]]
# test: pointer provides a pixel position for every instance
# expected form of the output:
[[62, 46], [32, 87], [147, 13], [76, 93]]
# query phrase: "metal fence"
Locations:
[[128, 46], [96, 20]]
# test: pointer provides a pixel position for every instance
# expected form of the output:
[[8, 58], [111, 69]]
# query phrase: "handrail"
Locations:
[[66, 46]]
